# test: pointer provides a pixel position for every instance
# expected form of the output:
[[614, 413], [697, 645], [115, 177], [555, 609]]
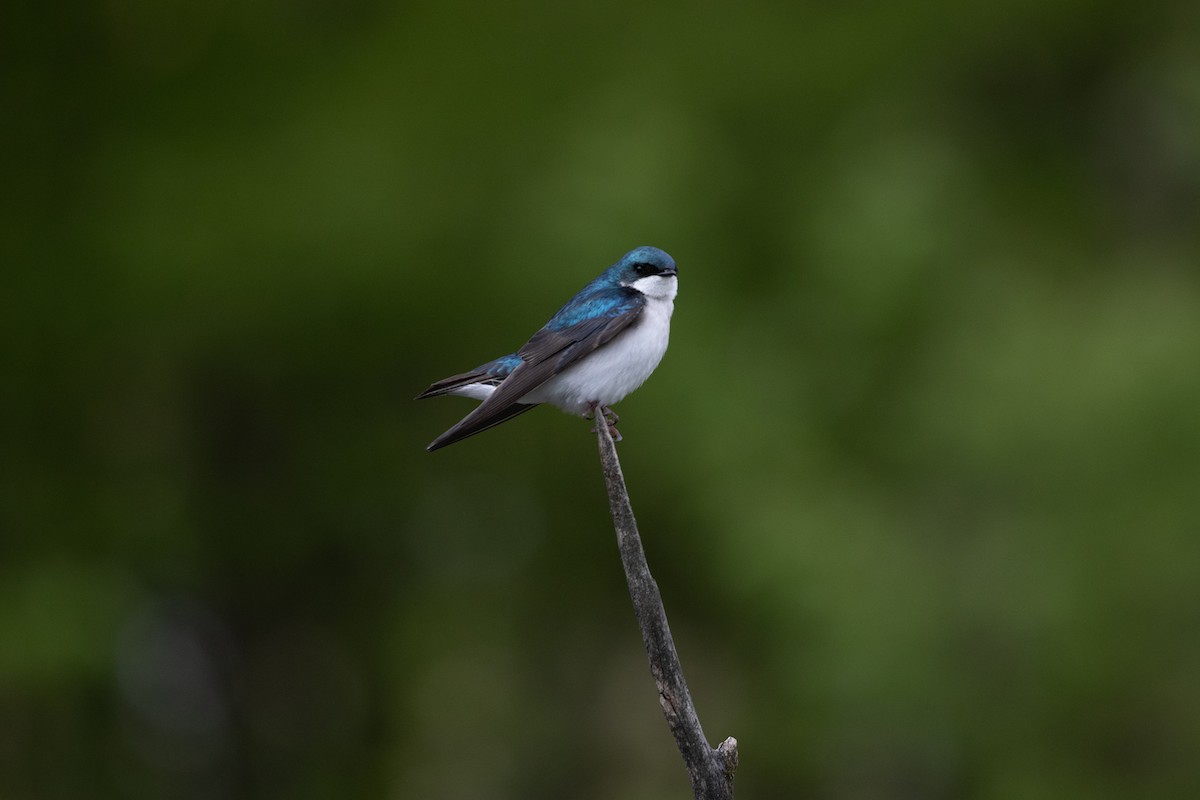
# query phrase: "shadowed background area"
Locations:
[[918, 476]]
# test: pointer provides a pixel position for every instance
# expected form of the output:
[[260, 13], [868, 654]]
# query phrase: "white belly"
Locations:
[[608, 375]]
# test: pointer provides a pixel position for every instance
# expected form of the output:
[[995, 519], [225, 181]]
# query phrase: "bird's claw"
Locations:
[[612, 431], [597, 412]]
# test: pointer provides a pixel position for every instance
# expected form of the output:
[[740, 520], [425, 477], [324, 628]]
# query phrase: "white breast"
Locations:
[[609, 374]]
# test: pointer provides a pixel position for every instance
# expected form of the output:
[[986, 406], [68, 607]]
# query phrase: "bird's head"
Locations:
[[649, 271]]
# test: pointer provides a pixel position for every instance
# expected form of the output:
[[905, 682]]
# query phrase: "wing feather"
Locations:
[[462, 430], [547, 353]]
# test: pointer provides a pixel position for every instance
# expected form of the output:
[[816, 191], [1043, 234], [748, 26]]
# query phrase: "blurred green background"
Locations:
[[918, 477]]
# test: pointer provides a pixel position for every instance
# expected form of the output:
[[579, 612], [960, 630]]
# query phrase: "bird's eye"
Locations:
[[644, 269]]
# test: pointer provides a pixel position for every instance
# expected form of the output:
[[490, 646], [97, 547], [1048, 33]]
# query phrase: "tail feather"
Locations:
[[448, 385], [487, 376], [493, 372]]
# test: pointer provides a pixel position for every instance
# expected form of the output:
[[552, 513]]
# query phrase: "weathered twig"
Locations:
[[711, 770]]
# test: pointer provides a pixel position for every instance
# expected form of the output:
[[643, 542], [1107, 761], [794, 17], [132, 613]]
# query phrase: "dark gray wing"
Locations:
[[546, 354], [459, 431]]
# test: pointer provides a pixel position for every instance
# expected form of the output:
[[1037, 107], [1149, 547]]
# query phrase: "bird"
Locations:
[[603, 344]]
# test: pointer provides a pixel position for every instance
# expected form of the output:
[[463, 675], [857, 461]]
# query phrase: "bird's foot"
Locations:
[[598, 412], [612, 431]]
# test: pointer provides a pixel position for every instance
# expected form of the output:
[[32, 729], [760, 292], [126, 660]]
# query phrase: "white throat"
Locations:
[[657, 287]]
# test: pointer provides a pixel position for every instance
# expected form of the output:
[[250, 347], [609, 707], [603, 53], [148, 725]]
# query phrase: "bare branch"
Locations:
[[710, 770]]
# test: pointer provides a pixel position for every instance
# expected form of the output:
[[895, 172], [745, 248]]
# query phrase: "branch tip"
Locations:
[[728, 753]]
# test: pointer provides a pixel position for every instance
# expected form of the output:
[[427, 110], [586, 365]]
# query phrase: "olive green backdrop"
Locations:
[[918, 477]]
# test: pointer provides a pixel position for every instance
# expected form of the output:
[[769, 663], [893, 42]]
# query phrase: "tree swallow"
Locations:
[[597, 349]]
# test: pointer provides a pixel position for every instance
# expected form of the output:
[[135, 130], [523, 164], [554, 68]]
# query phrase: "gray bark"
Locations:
[[710, 769]]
